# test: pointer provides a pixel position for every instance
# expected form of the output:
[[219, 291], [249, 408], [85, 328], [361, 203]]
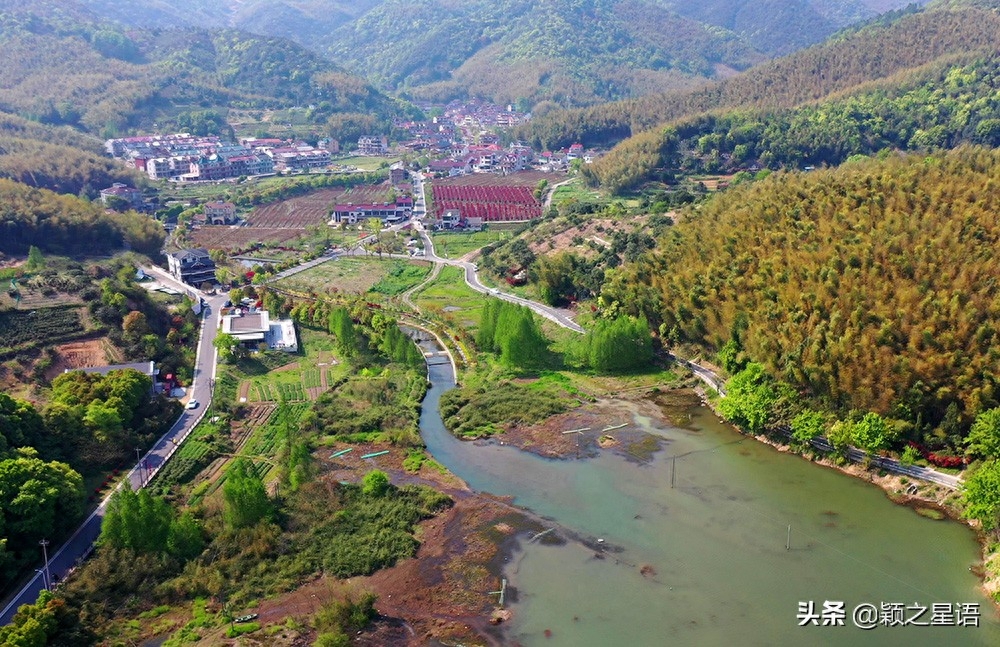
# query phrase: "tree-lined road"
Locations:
[[79, 545]]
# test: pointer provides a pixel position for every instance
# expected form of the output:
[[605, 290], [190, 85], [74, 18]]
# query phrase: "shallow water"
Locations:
[[714, 544]]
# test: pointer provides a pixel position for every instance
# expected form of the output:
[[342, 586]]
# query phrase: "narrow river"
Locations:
[[713, 544]]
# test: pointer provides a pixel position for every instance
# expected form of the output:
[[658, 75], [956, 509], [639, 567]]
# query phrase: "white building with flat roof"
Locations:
[[255, 328]]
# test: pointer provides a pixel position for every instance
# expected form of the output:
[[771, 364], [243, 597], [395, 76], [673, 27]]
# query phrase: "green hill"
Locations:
[[875, 52], [67, 225], [915, 106], [571, 52], [69, 80], [941, 106], [871, 286]]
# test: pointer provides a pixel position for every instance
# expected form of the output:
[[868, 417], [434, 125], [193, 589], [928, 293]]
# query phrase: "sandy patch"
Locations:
[[77, 354]]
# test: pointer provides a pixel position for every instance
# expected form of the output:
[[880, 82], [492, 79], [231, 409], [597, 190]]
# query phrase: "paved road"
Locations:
[[558, 315], [65, 557], [892, 465], [304, 266]]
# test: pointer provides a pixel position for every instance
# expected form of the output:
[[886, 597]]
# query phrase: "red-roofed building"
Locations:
[[388, 212]]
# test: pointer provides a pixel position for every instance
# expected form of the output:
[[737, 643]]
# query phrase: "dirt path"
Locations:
[[244, 391], [419, 286]]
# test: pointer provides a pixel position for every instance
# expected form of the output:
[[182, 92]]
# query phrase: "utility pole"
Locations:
[[142, 478], [45, 552]]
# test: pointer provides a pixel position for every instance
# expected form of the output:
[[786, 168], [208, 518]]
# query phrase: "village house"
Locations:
[[255, 328], [131, 195], [299, 158], [450, 219], [451, 167], [167, 168], [219, 213], [388, 212], [373, 145], [192, 266]]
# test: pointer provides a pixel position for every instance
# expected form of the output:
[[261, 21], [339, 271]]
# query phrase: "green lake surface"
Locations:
[[713, 543]]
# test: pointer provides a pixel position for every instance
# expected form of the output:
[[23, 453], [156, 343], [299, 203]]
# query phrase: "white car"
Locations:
[[192, 404]]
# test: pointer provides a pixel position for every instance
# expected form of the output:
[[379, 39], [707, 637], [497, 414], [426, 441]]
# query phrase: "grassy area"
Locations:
[[575, 191], [488, 400], [458, 244], [363, 163], [450, 297], [357, 275], [402, 276]]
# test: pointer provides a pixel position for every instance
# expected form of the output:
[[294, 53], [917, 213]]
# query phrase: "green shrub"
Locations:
[[242, 628]]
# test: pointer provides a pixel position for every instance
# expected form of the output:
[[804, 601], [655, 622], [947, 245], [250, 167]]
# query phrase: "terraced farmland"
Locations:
[[314, 209], [22, 329]]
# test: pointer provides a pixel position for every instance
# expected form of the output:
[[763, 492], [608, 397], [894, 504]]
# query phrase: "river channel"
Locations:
[[713, 540]]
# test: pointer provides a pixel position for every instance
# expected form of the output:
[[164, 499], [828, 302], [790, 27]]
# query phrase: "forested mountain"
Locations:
[[573, 52], [64, 69], [875, 52], [307, 22], [871, 286], [567, 51], [69, 80], [942, 106], [783, 26]]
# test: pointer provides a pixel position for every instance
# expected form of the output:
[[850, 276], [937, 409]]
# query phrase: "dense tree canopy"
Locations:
[[621, 345], [842, 63], [38, 500], [511, 331], [63, 224], [868, 286]]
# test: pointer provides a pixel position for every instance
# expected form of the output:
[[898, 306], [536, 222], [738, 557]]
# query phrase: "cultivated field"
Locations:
[[314, 209], [284, 222], [22, 329], [525, 178], [240, 238], [494, 198], [357, 275]]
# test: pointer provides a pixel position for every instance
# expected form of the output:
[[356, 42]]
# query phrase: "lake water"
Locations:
[[713, 543]]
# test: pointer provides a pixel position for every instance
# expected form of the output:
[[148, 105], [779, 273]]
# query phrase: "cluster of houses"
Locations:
[[483, 115], [184, 157], [181, 156]]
